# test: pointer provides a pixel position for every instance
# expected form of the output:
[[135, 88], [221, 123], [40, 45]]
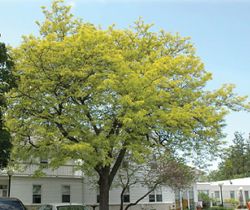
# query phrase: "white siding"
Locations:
[[62, 171], [137, 191], [81, 190], [21, 187], [114, 195], [168, 195], [89, 192], [228, 185]]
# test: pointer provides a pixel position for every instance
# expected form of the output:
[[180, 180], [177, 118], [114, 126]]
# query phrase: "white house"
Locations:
[[56, 186], [65, 184], [222, 191]]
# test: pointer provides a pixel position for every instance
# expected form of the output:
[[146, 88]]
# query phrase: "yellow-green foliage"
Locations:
[[87, 93], [233, 202]]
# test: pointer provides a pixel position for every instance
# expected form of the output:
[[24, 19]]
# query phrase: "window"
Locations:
[[232, 194], [98, 195], [44, 161], [3, 190], [126, 196], [98, 198], [152, 197], [37, 193], [155, 196], [247, 195], [217, 194], [66, 193], [158, 197]]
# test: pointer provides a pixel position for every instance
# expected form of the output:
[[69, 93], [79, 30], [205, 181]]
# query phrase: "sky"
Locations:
[[219, 29]]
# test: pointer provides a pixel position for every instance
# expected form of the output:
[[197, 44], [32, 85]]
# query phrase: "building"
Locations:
[[222, 191], [66, 184], [160, 199], [55, 187]]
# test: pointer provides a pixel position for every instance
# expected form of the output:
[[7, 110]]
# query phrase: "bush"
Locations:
[[205, 200], [242, 207], [232, 202]]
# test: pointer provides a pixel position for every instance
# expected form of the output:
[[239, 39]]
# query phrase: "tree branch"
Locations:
[[117, 164], [142, 197], [31, 143], [97, 131], [116, 125], [65, 133]]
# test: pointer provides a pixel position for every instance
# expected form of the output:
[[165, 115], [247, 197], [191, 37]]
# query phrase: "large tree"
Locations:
[[6, 83], [95, 95]]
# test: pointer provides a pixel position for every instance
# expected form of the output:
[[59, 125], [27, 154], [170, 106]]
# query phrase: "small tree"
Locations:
[[162, 171]]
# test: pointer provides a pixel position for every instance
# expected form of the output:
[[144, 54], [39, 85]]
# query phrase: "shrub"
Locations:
[[205, 199], [233, 202], [241, 207]]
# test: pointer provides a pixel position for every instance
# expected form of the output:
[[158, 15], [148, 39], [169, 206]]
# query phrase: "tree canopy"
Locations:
[[95, 95], [7, 81], [236, 161]]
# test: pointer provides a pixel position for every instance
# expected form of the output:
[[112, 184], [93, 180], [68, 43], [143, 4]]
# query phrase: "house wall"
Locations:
[[148, 206], [82, 191], [90, 197], [226, 189], [67, 170], [21, 187]]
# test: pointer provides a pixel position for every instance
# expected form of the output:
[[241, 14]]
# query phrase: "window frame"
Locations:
[[4, 189], [232, 194], [217, 194], [155, 196], [37, 195], [246, 194], [65, 194], [126, 196]]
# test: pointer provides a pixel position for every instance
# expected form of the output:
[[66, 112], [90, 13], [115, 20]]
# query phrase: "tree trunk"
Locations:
[[104, 188], [121, 197], [121, 205], [106, 177]]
